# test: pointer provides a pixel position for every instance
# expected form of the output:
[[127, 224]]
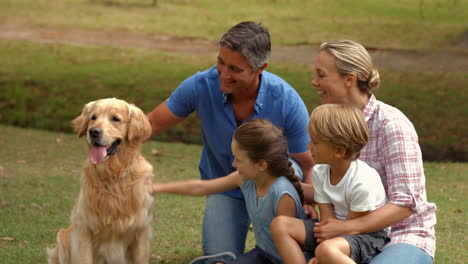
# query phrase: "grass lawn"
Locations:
[[46, 94], [39, 181], [423, 24]]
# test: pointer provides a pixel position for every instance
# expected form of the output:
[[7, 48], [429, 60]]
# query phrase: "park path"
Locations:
[[455, 60]]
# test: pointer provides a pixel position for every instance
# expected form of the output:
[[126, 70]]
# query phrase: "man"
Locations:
[[237, 89]]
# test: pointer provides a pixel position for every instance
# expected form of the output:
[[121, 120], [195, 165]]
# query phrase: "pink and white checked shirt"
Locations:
[[393, 150]]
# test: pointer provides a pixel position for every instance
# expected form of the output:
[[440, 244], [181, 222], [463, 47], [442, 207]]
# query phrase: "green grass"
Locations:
[[45, 85], [39, 182], [412, 24]]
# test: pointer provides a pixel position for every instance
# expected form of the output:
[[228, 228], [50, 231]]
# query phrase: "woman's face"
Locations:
[[329, 83]]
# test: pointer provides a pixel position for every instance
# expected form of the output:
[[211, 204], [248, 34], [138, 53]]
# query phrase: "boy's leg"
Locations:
[[225, 225], [289, 235], [335, 250], [402, 253]]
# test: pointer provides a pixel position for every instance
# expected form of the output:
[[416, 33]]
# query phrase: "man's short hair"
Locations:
[[252, 40]]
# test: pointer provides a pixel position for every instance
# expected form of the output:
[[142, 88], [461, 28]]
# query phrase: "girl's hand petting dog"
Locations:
[[149, 185]]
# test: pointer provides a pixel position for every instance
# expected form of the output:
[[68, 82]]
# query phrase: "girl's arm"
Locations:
[[286, 206], [200, 187], [326, 211]]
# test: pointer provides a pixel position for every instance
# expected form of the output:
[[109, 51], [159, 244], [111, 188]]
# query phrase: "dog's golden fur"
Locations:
[[111, 219]]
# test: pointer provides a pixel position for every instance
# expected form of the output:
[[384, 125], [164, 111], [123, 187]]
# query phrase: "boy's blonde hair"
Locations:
[[341, 126]]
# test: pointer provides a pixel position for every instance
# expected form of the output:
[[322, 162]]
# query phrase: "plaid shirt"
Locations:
[[393, 150]]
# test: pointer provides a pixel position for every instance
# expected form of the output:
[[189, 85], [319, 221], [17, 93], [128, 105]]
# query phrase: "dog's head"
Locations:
[[108, 123]]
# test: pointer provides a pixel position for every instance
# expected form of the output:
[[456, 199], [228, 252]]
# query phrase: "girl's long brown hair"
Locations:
[[264, 141]]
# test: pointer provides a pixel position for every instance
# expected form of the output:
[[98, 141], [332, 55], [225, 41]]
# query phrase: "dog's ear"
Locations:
[[80, 124], [139, 128]]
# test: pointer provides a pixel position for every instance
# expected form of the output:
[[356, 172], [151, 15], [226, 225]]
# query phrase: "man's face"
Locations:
[[235, 73]]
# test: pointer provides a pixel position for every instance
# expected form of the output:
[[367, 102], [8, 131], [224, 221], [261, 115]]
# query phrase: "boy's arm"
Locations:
[[200, 187], [326, 211], [309, 203]]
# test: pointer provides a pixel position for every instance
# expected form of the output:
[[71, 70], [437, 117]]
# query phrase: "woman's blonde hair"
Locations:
[[352, 57], [341, 126]]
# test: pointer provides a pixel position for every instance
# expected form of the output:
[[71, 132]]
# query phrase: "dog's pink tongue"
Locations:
[[97, 154]]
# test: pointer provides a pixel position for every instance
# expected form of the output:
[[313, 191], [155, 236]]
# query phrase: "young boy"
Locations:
[[344, 188]]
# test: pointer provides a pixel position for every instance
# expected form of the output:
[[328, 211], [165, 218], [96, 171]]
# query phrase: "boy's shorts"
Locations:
[[363, 246]]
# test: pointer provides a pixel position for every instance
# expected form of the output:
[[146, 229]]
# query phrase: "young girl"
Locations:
[[268, 183]]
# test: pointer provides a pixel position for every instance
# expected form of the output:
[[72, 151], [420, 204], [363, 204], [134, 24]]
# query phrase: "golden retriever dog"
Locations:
[[111, 219]]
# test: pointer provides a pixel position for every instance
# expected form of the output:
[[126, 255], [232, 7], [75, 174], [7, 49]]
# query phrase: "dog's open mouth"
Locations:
[[98, 153]]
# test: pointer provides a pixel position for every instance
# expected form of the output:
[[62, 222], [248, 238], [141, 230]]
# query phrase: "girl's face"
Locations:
[[329, 83], [245, 166], [322, 151]]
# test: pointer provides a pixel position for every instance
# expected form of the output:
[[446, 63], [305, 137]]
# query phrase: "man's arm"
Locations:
[[161, 119], [306, 162], [379, 219], [308, 190]]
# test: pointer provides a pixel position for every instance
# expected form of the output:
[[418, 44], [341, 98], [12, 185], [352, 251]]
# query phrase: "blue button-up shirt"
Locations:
[[277, 101]]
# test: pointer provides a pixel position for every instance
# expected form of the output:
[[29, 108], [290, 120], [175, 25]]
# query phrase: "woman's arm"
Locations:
[[379, 219], [352, 215], [200, 187]]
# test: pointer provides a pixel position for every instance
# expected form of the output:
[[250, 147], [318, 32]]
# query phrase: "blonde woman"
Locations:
[[345, 75]]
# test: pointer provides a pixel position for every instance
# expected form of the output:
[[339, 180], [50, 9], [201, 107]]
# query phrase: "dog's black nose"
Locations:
[[95, 132]]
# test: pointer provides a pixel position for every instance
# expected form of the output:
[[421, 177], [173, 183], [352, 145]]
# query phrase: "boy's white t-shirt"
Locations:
[[360, 189]]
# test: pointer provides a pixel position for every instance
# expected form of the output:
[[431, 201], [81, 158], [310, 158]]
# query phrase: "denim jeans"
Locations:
[[225, 225], [402, 253]]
